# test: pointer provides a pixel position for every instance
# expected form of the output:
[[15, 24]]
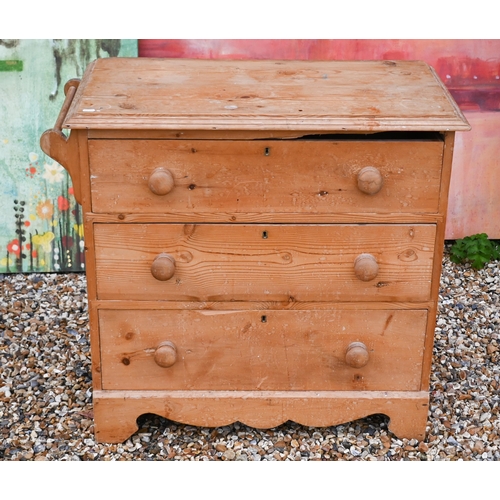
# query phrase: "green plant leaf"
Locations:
[[476, 249]]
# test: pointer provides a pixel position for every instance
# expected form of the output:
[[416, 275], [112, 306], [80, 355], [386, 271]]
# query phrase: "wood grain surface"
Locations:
[[263, 262], [124, 93], [116, 412], [268, 177], [252, 350]]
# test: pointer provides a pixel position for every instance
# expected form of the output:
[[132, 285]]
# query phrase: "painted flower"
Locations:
[[14, 247], [33, 157], [53, 173], [44, 240], [6, 262], [45, 209], [78, 229], [31, 171], [62, 203], [71, 190]]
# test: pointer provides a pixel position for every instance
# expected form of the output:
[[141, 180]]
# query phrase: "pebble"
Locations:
[[478, 447], [229, 455], [46, 394]]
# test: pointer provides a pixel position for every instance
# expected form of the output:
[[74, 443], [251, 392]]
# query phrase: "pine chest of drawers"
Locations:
[[263, 238]]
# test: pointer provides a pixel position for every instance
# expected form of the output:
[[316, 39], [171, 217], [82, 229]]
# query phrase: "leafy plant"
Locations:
[[476, 249]]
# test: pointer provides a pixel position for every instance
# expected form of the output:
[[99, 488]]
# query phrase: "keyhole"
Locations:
[[267, 151], [263, 319], [264, 235]]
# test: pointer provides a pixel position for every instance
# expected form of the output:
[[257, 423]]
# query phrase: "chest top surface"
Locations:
[[336, 96]]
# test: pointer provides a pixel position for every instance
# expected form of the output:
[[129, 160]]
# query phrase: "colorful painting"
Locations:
[[469, 68], [41, 226]]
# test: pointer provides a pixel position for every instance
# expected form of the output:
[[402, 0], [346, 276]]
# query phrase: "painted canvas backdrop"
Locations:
[[40, 222]]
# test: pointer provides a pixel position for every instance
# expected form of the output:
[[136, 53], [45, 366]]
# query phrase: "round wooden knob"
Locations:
[[163, 267], [161, 181], [365, 267], [357, 355], [370, 180], [165, 354]]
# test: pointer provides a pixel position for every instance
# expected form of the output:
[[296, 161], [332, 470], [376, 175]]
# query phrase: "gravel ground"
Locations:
[[46, 395]]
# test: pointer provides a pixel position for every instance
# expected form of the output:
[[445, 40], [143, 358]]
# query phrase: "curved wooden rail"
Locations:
[[116, 412], [61, 148]]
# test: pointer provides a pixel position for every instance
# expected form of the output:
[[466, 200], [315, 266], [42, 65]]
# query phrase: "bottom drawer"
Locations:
[[262, 349]]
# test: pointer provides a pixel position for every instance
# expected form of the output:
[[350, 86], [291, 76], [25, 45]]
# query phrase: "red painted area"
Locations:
[[469, 68]]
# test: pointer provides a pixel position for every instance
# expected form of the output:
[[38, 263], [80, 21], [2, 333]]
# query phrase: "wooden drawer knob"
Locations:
[[161, 181], [163, 267], [165, 354], [357, 355], [365, 267], [370, 180]]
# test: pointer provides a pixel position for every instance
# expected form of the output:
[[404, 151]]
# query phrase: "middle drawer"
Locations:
[[257, 262]]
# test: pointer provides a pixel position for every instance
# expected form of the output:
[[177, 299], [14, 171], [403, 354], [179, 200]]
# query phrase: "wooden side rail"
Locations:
[[61, 148]]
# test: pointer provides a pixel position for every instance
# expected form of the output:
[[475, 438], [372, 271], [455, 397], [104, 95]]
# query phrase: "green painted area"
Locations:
[[11, 65], [41, 226]]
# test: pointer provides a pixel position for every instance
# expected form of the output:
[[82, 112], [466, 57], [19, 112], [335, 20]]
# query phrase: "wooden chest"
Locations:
[[264, 238]]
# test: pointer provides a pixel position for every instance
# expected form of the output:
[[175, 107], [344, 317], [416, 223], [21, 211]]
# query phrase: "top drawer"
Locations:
[[265, 176]]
